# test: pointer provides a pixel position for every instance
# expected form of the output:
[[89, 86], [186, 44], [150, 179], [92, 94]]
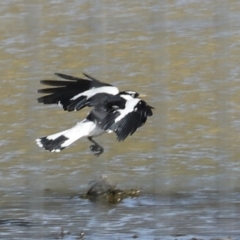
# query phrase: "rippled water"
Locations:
[[185, 56]]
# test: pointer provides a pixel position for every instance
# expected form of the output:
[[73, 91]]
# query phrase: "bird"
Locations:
[[121, 112]]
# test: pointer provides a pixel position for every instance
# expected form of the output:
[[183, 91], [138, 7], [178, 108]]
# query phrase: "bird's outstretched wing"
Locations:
[[73, 93], [124, 122]]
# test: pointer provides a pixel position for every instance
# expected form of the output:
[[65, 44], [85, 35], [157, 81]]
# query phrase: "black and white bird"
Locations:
[[112, 111]]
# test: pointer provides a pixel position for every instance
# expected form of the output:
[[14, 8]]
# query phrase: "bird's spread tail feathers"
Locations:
[[58, 141]]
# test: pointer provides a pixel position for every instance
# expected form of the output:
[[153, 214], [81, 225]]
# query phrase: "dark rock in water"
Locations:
[[102, 190]]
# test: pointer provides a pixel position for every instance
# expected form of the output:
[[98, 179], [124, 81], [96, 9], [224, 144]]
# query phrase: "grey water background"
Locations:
[[184, 55]]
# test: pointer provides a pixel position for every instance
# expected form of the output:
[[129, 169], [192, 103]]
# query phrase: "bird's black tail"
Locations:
[[52, 145]]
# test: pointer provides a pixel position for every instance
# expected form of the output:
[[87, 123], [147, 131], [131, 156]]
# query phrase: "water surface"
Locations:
[[185, 56]]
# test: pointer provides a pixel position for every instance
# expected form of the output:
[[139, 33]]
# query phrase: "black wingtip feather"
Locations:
[[90, 77], [55, 83], [49, 90], [68, 77]]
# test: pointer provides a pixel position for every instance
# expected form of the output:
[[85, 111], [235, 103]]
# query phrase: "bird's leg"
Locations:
[[96, 148]]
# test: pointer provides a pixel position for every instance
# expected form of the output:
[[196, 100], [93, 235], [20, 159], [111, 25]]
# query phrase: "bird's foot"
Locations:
[[96, 149]]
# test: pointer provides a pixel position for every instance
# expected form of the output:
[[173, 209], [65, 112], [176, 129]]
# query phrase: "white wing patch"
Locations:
[[129, 107], [89, 93]]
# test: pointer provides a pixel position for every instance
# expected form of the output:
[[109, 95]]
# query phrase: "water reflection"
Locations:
[[169, 215]]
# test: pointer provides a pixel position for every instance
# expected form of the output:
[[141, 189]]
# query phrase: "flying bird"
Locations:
[[116, 111]]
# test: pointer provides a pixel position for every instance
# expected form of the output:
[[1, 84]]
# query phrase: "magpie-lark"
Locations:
[[112, 110]]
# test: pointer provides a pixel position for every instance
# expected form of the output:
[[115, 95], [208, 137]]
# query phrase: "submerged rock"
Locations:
[[101, 190]]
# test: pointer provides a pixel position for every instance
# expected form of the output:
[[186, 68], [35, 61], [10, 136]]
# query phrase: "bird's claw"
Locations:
[[97, 150]]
